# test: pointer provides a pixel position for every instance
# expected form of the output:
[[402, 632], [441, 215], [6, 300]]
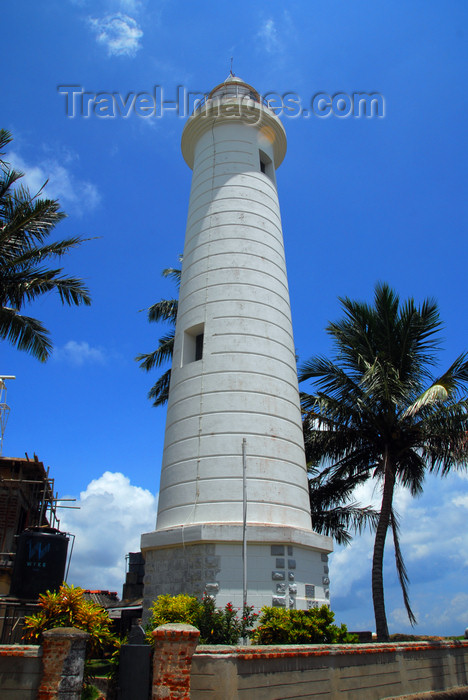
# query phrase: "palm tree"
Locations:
[[25, 223], [378, 411], [164, 310]]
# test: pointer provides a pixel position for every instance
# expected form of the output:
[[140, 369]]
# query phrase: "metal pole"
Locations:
[[70, 555], [244, 526], [44, 497]]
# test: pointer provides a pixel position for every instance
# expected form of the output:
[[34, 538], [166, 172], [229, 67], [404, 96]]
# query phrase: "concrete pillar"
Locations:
[[63, 658], [173, 650]]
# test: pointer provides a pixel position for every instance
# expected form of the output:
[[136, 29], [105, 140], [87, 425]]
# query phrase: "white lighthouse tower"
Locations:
[[234, 517]]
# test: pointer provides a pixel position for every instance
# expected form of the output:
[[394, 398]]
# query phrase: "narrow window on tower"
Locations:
[[266, 166], [193, 344], [198, 346]]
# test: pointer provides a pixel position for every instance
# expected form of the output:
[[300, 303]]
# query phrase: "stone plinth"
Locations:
[[284, 568]]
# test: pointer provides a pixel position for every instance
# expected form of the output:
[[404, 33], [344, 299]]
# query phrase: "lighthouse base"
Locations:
[[286, 567]]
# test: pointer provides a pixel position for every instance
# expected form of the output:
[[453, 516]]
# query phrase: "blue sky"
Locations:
[[362, 200]]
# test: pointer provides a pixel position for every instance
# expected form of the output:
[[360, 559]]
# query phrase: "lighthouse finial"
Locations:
[[231, 73]]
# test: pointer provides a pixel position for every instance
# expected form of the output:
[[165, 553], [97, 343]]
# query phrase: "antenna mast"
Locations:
[[4, 407]]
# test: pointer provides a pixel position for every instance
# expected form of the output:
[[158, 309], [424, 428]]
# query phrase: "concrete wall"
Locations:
[[51, 671], [341, 672], [20, 671]]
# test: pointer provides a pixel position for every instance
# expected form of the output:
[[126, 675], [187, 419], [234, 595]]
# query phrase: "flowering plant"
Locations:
[[216, 625], [219, 626]]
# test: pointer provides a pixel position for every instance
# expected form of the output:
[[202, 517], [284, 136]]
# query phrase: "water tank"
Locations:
[[40, 560]]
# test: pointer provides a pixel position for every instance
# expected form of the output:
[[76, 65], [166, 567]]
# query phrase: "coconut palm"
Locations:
[[164, 310], [378, 412], [25, 223]]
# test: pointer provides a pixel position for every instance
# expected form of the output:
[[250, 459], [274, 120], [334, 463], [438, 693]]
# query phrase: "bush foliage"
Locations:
[[217, 626], [178, 608], [68, 608], [314, 626]]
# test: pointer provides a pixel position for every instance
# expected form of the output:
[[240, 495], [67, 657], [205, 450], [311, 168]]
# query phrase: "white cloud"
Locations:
[[132, 6], [435, 549], [453, 608], [73, 194], [79, 353], [399, 618], [461, 501], [119, 32], [344, 571], [112, 516], [268, 34], [273, 38]]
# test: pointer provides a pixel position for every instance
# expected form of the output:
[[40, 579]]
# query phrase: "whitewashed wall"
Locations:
[[234, 286]]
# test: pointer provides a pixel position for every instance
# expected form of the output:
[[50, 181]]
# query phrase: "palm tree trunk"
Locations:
[[379, 545]]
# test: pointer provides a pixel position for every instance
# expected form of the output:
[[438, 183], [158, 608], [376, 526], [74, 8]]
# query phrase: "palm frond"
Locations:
[[331, 513], [56, 249], [162, 353], [7, 180], [173, 273], [25, 222], [329, 378], [27, 286], [444, 443], [436, 393], [449, 383], [159, 392], [401, 568], [26, 333], [164, 310], [29, 222], [5, 138], [337, 522]]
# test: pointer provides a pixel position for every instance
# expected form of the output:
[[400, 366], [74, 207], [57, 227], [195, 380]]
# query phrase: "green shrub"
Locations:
[[100, 668], [216, 626], [90, 692], [314, 626], [170, 608], [68, 608]]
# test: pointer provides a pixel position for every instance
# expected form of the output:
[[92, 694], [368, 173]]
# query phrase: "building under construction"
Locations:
[[26, 500], [32, 549]]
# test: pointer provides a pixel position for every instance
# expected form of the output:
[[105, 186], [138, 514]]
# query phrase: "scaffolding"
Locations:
[[4, 407], [27, 499]]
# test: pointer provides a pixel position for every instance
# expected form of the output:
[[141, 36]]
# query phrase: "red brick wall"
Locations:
[[174, 647]]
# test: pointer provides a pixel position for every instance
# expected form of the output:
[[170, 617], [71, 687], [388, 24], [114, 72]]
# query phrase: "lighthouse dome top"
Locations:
[[234, 86], [234, 102]]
